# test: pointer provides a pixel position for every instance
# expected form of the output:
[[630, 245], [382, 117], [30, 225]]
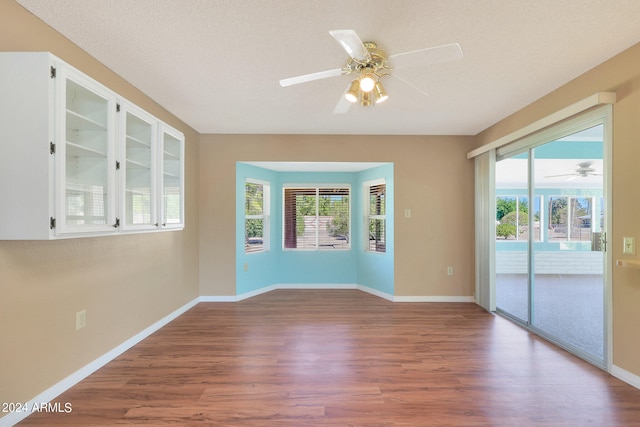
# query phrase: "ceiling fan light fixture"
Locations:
[[381, 94], [366, 80], [352, 94], [369, 63], [366, 99]]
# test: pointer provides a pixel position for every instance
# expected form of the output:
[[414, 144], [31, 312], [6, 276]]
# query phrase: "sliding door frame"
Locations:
[[602, 115]]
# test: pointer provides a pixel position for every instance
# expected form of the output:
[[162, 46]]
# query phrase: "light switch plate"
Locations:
[[629, 247]]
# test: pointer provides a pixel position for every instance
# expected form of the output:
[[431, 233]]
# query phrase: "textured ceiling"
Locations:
[[216, 63]]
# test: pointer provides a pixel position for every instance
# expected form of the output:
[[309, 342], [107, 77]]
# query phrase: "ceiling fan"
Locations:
[[370, 64], [582, 170]]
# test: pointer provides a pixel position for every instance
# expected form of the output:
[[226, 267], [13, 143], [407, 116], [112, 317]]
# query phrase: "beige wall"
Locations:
[[433, 178], [126, 283], [622, 75]]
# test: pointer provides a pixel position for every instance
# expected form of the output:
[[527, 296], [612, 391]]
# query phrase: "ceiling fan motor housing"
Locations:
[[378, 61]]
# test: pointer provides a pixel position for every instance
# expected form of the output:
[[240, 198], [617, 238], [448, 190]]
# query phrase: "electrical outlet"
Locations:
[[450, 271], [629, 247], [407, 213], [81, 319]]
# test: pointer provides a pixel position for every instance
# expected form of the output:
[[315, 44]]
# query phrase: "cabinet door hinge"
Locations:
[[117, 224], [117, 165], [53, 72], [52, 148], [117, 107], [52, 223]]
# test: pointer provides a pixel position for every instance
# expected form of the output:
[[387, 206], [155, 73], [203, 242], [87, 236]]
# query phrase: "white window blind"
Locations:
[[86, 204], [316, 218], [256, 217], [376, 216]]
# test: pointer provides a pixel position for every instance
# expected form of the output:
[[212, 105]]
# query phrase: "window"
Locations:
[[512, 218], [256, 216], [375, 213], [564, 218], [570, 218], [316, 218]]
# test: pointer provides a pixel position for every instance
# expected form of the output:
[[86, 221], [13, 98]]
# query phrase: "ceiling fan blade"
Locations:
[[310, 77], [406, 82], [557, 176], [430, 55], [350, 42], [343, 105]]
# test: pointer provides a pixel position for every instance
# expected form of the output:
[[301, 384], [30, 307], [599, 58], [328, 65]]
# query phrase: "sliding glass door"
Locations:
[[568, 282], [550, 223], [512, 236]]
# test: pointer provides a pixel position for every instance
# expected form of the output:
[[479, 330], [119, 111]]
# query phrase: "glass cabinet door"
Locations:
[[137, 169], [172, 178], [86, 180]]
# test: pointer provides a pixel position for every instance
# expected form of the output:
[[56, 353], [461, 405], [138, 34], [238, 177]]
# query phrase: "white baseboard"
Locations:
[[52, 392], [362, 288], [625, 376], [316, 286], [435, 298], [220, 298], [376, 292], [243, 296]]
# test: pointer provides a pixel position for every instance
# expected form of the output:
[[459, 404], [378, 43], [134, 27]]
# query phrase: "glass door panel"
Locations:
[[138, 170], [172, 179], [512, 235], [567, 279], [550, 211], [87, 145]]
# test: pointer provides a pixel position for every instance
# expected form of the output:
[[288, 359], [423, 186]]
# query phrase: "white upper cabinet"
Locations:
[[138, 169], [78, 160], [85, 155], [172, 177], [26, 165]]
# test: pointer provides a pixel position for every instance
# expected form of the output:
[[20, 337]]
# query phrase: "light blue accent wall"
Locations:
[[323, 267], [260, 272], [376, 270], [329, 266]]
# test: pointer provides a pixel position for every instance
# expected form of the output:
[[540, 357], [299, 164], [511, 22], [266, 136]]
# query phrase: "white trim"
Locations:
[[376, 292], [265, 216], [218, 298], [317, 188], [312, 185], [384, 295], [257, 292], [316, 286], [625, 376], [257, 181], [434, 298], [573, 109], [57, 389], [367, 217], [608, 254], [373, 182]]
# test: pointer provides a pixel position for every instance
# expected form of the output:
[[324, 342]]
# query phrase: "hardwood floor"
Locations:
[[345, 358]]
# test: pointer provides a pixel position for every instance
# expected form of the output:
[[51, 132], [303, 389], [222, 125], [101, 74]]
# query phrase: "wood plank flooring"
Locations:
[[345, 358]]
